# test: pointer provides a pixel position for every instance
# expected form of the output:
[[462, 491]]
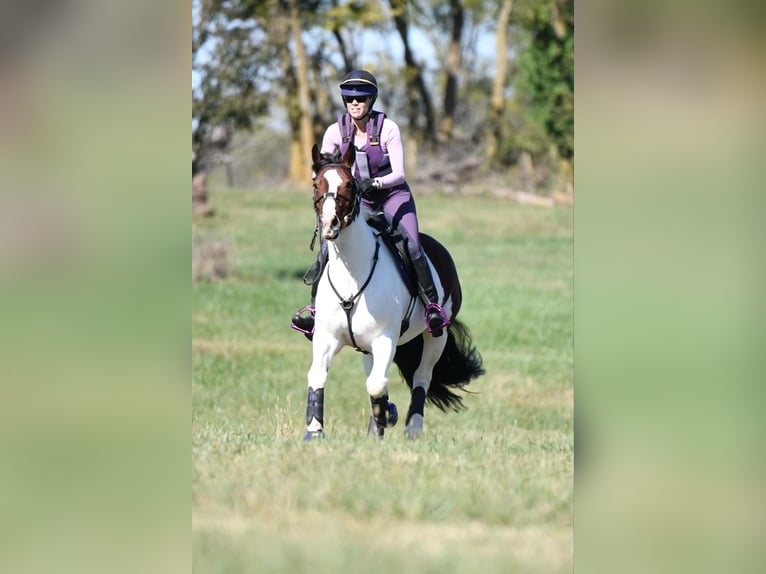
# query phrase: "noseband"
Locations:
[[354, 199]]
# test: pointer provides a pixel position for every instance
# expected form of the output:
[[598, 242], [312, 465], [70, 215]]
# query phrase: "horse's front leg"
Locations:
[[376, 364], [323, 353]]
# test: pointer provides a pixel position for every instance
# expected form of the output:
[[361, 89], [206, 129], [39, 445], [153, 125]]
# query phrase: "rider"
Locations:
[[379, 168]]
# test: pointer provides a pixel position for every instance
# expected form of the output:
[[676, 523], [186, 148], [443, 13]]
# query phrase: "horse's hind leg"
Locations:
[[421, 380], [376, 365]]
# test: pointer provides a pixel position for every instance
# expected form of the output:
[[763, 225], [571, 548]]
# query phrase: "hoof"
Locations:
[[393, 414], [414, 428], [392, 418], [311, 435]]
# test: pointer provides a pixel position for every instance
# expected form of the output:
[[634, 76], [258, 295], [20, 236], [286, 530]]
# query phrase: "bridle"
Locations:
[[354, 200]]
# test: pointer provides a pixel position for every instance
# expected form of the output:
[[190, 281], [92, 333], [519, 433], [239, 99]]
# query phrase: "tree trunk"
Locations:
[[300, 167], [453, 70], [497, 100], [413, 75], [557, 21], [348, 60]]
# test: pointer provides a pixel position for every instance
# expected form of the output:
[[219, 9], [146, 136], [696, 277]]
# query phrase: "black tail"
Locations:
[[459, 364]]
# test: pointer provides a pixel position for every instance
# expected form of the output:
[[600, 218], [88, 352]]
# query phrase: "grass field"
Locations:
[[489, 489]]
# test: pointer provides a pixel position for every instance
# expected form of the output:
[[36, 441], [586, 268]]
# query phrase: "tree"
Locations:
[[497, 100], [546, 69], [252, 56], [418, 96], [457, 18], [230, 67], [300, 163], [454, 29]]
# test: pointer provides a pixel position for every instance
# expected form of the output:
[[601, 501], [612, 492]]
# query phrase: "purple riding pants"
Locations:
[[399, 207]]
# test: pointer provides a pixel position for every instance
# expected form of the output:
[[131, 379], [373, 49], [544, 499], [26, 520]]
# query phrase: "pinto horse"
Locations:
[[363, 302]]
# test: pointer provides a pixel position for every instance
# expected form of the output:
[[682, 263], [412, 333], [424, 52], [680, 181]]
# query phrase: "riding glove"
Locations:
[[368, 186]]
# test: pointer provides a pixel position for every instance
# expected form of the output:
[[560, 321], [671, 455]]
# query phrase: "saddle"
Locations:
[[397, 245], [440, 258]]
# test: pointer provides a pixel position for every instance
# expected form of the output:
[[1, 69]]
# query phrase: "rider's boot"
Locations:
[[435, 317], [303, 320]]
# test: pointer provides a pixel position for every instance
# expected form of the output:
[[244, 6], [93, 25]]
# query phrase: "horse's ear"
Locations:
[[315, 153], [350, 156]]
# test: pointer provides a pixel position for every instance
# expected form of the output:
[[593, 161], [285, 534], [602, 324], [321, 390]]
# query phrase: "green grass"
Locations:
[[489, 489]]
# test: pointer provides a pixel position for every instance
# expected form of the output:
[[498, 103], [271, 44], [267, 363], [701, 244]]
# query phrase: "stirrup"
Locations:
[[444, 319], [301, 323]]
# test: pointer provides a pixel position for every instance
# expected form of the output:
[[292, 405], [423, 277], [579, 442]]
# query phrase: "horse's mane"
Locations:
[[326, 159]]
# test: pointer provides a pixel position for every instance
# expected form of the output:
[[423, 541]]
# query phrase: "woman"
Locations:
[[379, 169]]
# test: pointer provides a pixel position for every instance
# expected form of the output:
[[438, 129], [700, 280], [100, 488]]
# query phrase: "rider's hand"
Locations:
[[368, 186]]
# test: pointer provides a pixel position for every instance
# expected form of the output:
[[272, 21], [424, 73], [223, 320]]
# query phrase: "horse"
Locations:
[[362, 301]]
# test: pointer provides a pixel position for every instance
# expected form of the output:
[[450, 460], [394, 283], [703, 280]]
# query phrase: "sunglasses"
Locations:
[[360, 99]]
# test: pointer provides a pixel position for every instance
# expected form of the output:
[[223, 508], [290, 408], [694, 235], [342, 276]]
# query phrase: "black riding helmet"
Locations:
[[359, 83]]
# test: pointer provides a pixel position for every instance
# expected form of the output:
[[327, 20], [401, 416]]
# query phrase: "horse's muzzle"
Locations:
[[330, 231]]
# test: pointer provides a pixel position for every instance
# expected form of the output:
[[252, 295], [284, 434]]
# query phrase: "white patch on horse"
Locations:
[[328, 210], [333, 179], [329, 206]]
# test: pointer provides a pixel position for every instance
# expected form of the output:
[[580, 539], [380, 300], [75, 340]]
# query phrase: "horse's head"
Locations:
[[336, 197]]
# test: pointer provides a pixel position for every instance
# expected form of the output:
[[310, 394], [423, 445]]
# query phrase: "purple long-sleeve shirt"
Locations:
[[390, 141]]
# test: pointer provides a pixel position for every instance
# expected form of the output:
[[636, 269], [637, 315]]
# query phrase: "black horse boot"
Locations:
[[303, 320], [435, 317]]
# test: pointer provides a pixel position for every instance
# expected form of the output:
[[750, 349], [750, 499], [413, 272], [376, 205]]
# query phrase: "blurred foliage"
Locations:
[[246, 70], [231, 92], [546, 69]]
